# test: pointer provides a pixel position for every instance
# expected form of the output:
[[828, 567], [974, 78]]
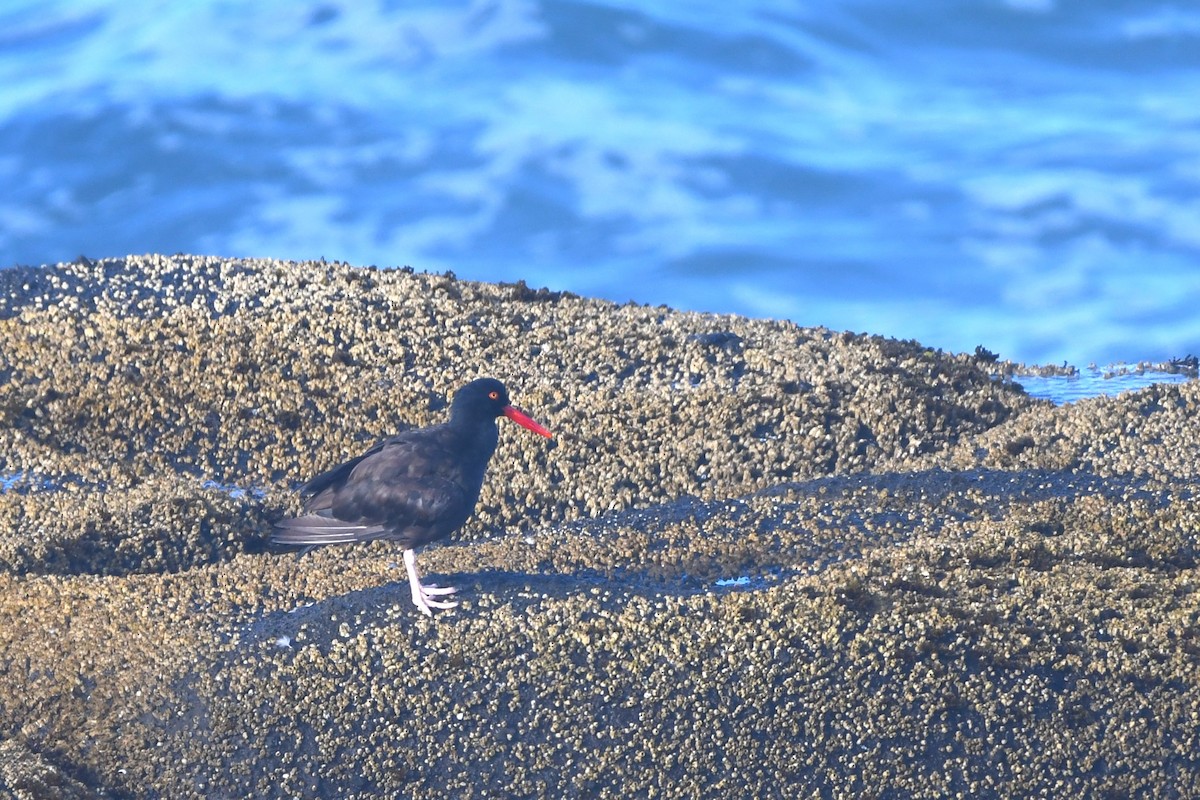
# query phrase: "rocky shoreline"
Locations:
[[951, 589]]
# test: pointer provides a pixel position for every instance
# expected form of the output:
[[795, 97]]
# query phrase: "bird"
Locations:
[[416, 487]]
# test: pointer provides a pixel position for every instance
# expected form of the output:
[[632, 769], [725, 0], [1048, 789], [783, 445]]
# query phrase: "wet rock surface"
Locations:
[[758, 559]]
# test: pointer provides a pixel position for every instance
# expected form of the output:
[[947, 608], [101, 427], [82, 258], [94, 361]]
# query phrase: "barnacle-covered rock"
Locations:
[[757, 560]]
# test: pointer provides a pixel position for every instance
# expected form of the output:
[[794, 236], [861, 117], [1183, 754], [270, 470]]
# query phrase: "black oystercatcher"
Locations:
[[414, 488]]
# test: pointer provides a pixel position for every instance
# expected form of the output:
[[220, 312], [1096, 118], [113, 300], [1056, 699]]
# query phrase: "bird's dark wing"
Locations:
[[403, 488], [316, 529], [333, 478]]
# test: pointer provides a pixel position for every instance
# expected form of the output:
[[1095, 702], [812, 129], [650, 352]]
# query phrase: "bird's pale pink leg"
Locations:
[[423, 596]]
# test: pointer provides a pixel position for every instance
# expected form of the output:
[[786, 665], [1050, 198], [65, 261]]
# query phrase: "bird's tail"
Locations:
[[315, 529]]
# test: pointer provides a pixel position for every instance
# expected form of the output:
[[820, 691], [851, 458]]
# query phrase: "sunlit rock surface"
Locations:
[[757, 560]]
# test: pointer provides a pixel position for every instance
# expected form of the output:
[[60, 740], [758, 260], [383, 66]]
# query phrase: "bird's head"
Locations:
[[486, 398]]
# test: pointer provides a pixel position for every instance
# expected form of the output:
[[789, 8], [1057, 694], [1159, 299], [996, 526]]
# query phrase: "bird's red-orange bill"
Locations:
[[521, 418]]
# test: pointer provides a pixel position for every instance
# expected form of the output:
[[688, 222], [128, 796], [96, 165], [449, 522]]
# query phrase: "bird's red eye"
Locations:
[[494, 394]]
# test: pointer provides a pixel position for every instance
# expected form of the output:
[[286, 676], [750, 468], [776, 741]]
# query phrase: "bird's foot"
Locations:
[[425, 597]]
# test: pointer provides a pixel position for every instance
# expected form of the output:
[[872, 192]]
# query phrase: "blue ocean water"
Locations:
[[1022, 174]]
